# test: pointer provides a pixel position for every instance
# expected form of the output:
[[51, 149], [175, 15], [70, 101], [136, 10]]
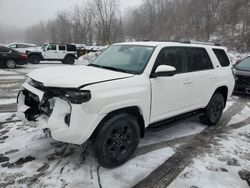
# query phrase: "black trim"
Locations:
[[165, 123], [85, 85]]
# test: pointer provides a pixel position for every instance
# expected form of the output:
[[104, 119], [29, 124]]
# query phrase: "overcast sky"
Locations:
[[23, 13]]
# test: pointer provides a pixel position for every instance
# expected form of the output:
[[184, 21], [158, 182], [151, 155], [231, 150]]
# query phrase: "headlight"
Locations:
[[77, 97]]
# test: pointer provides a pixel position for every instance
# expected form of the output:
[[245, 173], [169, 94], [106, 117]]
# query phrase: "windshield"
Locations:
[[44, 46], [124, 58], [244, 64]]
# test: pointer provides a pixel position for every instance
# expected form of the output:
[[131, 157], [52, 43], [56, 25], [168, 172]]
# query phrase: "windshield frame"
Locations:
[[127, 71]]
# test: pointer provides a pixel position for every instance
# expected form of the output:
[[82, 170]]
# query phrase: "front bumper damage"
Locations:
[[67, 122]]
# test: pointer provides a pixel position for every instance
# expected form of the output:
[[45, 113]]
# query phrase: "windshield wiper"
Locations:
[[113, 69]]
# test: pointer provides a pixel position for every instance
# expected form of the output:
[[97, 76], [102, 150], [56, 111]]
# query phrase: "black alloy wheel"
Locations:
[[117, 140]]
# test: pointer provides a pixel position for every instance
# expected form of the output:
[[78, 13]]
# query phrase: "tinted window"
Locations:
[[51, 47], [222, 57], [62, 48], [175, 57], [71, 48], [12, 46], [198, 60], [4, 50], [22, 46]]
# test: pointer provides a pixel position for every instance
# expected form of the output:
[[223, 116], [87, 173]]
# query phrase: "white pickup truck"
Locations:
[[127, 88]]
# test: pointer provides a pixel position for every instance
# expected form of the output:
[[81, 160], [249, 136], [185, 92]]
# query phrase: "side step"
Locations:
[[167, 123]]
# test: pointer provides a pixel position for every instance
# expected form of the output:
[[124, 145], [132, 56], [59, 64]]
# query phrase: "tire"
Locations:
[[10, 64], [34, 59], [117, 140], [70, 60], [214, 110]]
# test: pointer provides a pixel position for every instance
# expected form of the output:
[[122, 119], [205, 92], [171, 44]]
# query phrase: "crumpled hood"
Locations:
[[74, 76]]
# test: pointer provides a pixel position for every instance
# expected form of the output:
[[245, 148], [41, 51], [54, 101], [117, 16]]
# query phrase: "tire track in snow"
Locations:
[[173, 166]]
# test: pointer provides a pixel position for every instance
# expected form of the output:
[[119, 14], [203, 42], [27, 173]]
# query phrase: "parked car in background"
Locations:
[[66, 53], [21, 47], [127, 88], [242, 76], [11, 58]]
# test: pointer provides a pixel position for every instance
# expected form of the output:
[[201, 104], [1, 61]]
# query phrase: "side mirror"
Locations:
[[164, 71]]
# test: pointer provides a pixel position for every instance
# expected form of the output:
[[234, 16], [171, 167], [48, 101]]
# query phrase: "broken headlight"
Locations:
[[77, 97]]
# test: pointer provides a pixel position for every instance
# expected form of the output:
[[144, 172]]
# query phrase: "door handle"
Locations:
[[188, 81]]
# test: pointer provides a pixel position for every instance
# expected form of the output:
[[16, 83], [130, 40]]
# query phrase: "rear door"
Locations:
[[61, 51], [204, 77], [171, 95]]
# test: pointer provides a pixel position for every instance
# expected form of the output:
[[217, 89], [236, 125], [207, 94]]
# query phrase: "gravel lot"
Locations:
[[182, 154]]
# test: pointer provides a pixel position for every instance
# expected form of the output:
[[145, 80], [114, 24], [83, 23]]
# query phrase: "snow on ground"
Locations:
[[6, 71], [7, 101], [220, 167], [32, 155]]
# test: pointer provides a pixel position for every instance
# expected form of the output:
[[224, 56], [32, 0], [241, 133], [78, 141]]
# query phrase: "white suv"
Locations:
[[127, 88], [65, 53]]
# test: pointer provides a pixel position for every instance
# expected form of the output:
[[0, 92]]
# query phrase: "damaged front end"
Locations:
[[52, 108]]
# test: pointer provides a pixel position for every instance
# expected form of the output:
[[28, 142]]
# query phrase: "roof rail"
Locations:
[[198, 42]]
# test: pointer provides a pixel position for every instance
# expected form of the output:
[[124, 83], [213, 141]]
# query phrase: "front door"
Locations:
[[171, 95], [51, 52]]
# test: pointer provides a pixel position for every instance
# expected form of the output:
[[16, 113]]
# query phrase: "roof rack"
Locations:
[[198, 42]]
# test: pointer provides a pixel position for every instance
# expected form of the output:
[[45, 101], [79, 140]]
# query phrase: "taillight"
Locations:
[[23, 56]]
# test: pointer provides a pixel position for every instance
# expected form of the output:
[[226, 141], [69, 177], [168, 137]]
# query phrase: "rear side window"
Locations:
[[175, 57], [199, 60], [71, 48], [63, 48], [222, 57], [22, 46]]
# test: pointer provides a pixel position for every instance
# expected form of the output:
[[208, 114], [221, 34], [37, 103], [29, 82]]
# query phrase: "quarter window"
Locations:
[[222, 57], [199, 60], [175, 57]]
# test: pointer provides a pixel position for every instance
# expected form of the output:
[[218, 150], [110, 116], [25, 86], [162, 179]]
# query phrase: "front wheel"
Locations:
[[10, 64], [214, 110], [117, 140]]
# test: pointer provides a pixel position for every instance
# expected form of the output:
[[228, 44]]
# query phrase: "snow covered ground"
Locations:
[[29, 158]]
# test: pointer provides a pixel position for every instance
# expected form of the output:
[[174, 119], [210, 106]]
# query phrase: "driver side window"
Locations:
[[175, 57]]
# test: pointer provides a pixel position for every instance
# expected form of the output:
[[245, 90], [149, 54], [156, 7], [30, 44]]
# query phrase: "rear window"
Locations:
[[199, 60], [222, 57]]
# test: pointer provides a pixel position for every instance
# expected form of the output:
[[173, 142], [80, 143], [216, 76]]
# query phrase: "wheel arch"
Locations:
[[132, 110], [224, 91]]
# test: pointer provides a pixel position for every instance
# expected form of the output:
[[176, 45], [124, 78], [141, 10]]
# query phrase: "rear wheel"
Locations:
[[214, 110], [117, 140], [10, 64], [34, 59], [69, 60]]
